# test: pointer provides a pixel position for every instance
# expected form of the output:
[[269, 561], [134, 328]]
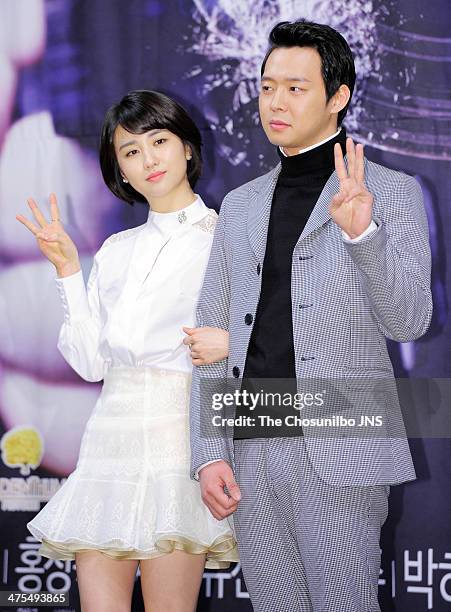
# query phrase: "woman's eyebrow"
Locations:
[[130, 142]]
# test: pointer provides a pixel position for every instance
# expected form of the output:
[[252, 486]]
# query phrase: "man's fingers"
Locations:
[[213, 479], [360, 164], [233, 489], [350, 153], [213, 506], [225, 505], [337, 200], [31, 226], [37, 213], [340, 167], [215, 514], [217, 494], [219, 509], [220, 516], [353, 193]]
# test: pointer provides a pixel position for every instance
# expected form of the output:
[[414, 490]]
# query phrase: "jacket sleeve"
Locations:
[[394, 266], [79, 336], [207, 442]]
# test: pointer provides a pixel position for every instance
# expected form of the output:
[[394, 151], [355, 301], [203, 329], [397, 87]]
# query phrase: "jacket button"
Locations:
[[236, 371], [259, 268], [248, 319]]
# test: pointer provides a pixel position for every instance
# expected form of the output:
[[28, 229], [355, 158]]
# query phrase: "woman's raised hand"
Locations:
[[53, 241]]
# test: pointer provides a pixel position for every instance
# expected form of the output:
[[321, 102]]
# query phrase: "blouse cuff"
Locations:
[[73, 296]]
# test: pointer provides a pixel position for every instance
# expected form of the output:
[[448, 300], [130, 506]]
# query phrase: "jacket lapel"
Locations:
[[260, 199], [320, 214]]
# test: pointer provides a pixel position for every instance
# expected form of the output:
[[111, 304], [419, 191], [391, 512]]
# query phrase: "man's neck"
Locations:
[[288, 152]]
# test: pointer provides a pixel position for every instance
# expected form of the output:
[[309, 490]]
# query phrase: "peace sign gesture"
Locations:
[[351, 208], [53, 241]]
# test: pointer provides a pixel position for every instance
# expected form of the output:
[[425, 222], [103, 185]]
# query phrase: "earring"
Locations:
[[189, 157], [124, 180]]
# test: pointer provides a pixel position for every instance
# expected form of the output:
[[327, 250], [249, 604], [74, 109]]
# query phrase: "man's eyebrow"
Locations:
[[299, 79], [131, 142]]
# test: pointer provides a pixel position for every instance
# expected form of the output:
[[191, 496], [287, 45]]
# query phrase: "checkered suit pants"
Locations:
[[305, 545]]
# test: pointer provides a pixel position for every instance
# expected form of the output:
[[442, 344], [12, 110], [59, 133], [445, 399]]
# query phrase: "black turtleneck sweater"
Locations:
[[271, 347]]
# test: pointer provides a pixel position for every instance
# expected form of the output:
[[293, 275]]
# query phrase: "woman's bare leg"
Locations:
[[105, 584], [171, 583]]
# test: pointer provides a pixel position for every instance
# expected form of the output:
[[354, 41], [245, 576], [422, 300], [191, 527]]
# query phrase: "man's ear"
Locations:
[[339, 99]]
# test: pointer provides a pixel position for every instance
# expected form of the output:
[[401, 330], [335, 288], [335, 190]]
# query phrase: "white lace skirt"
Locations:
[[130, 495]]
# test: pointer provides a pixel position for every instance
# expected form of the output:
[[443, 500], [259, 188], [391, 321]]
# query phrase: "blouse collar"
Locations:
[[173, 221]]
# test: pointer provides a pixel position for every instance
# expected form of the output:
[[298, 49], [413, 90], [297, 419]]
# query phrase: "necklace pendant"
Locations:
[[182, 217]]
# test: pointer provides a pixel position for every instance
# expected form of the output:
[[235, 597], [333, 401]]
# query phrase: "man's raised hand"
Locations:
[[352, 207]]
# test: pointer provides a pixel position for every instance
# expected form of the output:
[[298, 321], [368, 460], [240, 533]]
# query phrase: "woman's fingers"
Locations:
[[54, 210], [189, 342], [48, 237], [36, 212], [37, 231], [31, 226]]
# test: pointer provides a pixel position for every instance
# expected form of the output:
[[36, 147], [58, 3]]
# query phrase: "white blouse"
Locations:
[[143, 287]]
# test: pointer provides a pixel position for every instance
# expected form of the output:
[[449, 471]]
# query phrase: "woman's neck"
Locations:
[[178, 198]]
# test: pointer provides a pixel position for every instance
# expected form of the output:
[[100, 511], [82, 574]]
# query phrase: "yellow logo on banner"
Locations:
[[22, 447]]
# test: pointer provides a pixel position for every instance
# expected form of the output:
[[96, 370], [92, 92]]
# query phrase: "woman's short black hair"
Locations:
[[140, 111], [336, 56]]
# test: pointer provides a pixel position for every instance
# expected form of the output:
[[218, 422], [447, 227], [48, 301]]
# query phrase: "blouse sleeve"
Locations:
[[79, 337]]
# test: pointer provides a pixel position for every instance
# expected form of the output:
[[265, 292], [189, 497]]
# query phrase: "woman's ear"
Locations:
[[188, 153]]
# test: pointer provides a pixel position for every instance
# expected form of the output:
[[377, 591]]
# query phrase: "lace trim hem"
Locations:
[[220, 554]]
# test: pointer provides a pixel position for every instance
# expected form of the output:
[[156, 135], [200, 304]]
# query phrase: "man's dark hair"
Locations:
[[138, 112], [337, 59]]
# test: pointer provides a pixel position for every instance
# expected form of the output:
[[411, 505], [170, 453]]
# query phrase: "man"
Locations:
[[312, 266]]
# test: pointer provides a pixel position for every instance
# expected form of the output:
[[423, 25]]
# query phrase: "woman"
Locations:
[[130, 499]]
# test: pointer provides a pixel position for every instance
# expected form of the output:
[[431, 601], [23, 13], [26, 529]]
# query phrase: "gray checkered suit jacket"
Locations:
[[361, 293]]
